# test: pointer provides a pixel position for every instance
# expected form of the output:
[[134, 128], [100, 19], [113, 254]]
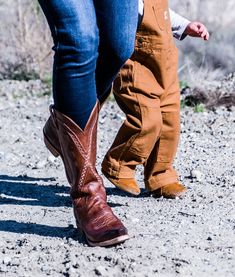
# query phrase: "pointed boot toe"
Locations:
[[170, 191], [110, 237]]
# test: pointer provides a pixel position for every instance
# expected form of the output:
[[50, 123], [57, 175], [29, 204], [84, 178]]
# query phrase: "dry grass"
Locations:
[[210, 93], [24, 40]]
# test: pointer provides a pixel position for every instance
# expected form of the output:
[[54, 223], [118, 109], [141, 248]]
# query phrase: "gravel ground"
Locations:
[[193, 236]]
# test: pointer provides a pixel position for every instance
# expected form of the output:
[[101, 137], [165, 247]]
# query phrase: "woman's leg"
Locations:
[[77, 76], [76, 39]]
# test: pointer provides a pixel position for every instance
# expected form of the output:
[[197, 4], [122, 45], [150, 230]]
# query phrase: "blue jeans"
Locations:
[[92, 40]]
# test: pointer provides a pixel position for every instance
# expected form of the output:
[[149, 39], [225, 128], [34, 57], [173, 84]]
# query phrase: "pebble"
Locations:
[[7, 260], [40, 164], [198, 175], [102, 119], [2, 156], [45, 268], [119, 116], [100, 271], [51, 159], [3, 268], [135, 220], [72, 272]]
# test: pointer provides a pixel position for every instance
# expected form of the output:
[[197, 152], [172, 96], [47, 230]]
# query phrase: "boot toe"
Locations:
[[110, 237], [170, 191], [111, 234], [126, 184]]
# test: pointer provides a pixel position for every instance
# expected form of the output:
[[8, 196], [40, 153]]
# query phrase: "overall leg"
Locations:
[[158, 167], [142, 127], [160, 176]]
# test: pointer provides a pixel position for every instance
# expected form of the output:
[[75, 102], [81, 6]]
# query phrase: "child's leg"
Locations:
[[158, 167], [159, 171], [141, 129]]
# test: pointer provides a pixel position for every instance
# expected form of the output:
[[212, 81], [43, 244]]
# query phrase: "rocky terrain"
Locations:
[[193, 236]]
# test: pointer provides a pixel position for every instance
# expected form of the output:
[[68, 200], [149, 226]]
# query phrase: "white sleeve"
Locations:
[[141, 7], [178, 25]]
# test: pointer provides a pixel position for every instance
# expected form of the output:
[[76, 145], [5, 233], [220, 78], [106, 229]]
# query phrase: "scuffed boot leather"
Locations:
[[77, 149]]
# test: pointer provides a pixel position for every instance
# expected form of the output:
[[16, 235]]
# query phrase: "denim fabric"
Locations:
[[92, 40]]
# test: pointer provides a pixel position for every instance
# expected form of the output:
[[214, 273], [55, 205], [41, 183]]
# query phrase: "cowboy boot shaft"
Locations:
[[78, 149]]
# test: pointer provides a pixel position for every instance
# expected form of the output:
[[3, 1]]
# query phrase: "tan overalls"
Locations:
[[147, 91]]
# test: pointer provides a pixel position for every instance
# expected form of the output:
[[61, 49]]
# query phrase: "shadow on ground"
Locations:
[[24, 190], [118, 192], [41, 230]]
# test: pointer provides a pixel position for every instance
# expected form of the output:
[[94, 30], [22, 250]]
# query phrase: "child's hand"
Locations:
[[197, 29]]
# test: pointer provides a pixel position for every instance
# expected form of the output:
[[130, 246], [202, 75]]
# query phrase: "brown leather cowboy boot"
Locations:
[[77, 149]]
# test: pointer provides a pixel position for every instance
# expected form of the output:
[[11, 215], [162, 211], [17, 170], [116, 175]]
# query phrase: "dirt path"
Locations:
[[193, 236]]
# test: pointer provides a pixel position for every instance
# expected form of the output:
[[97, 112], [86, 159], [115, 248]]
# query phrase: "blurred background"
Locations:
[[199, 60], [25, 41]]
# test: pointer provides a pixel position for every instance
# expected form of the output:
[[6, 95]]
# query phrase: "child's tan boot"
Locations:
[[126, 184], [170, 191]]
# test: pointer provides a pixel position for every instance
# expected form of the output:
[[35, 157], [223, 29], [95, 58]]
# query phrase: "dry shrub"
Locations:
[[209, 89], [24, 40]]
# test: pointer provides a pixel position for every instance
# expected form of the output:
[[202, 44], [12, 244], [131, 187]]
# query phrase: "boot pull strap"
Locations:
[[51, 108]]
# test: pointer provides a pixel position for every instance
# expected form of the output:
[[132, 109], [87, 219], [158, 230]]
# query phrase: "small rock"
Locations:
[[7, 260], [3, 268], [51, 159], [68, 265], [15, 262], [100, 271], [2, 156], [40, 164], [197, 174], [72, 271], [119, 116], [102, 119], [45, 268], [72, 242], [135, 220]]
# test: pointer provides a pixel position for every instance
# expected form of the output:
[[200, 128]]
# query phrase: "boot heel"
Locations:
[[50, 147], [79, 228]]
